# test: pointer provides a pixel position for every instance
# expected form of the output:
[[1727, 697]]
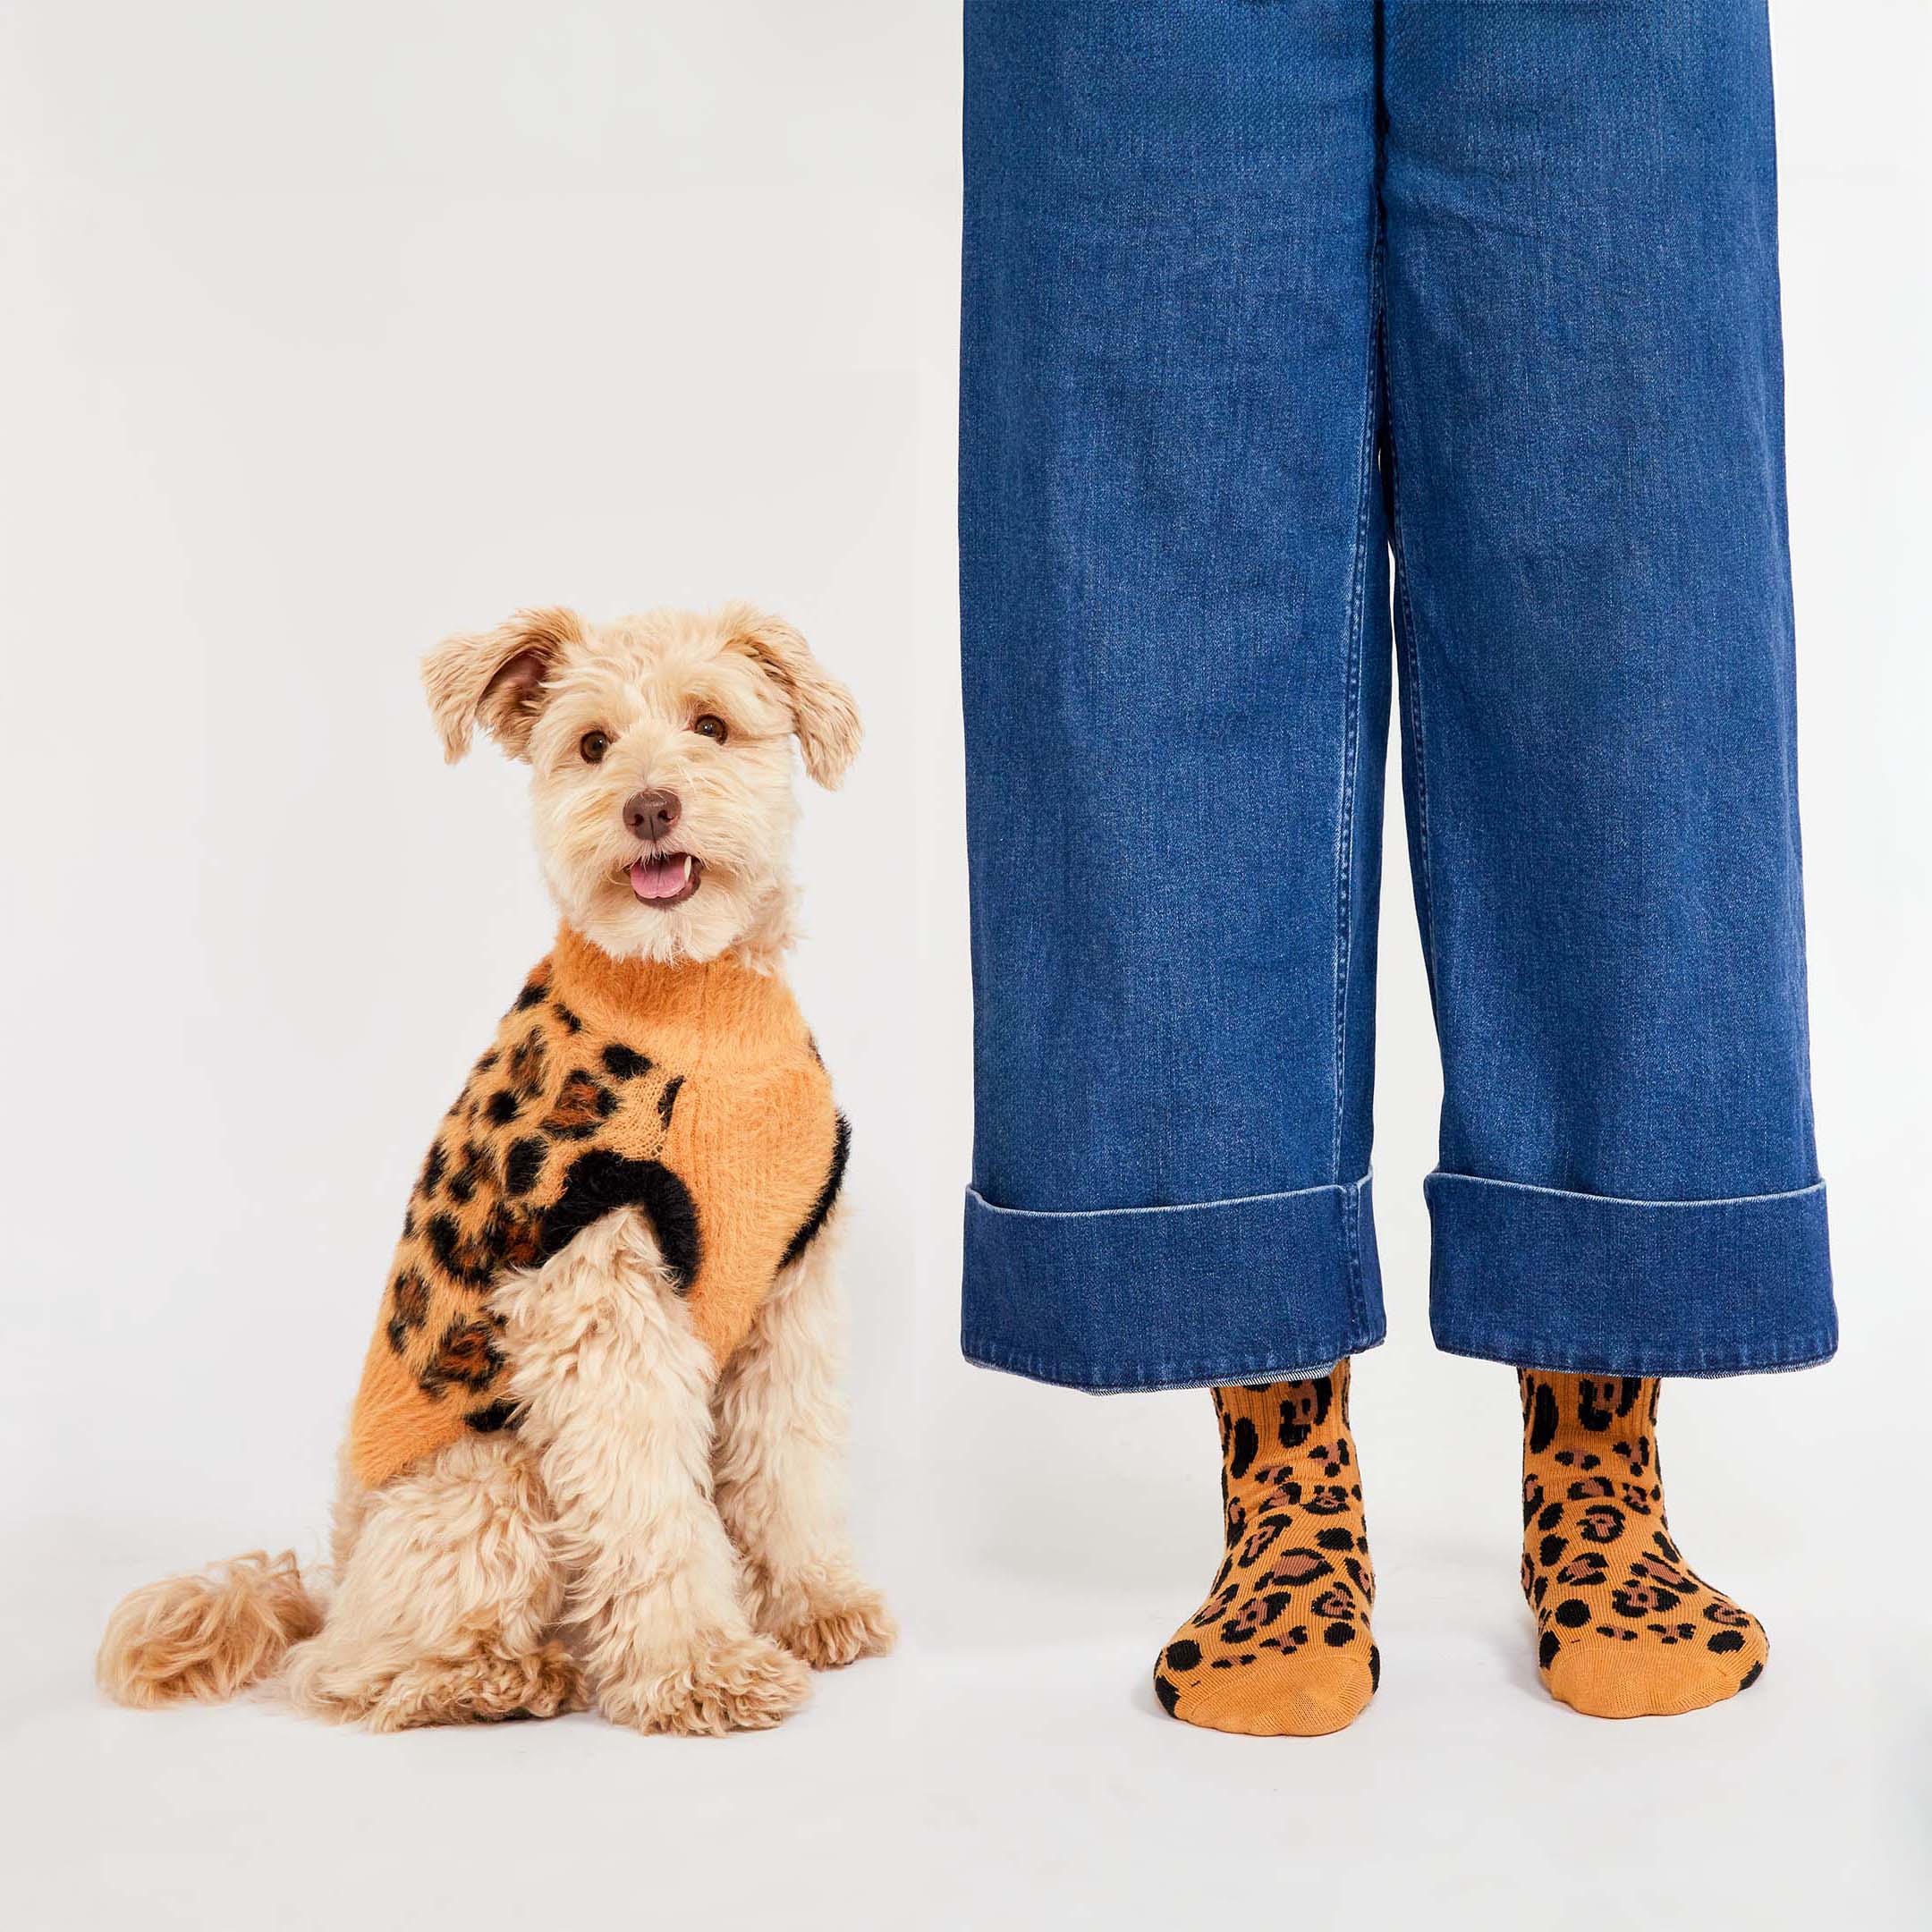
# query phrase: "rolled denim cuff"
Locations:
[[1546, 1278], [1267, 1288]]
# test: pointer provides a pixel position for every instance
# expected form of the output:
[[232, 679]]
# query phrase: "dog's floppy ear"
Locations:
[[823, 716], [494, 679]]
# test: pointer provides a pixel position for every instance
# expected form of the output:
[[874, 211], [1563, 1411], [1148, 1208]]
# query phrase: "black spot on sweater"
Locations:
[[601, 1182], [523, 1163], [821, 1209]]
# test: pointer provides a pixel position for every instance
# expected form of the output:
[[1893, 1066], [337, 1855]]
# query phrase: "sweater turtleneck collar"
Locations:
[[732, 1007]]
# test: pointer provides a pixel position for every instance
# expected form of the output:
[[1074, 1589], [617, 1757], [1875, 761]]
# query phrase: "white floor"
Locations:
[[1010, 1769]]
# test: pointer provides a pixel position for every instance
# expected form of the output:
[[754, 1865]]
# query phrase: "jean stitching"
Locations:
[[1352, 714], [1622, 1200], [1351, 1234], [1412, 701], [1232, 1200], [1803, 1351], [1274, 1367]]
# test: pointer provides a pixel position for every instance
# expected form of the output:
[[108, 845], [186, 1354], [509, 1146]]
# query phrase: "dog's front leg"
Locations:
[[618, 1388], [781, 1471]]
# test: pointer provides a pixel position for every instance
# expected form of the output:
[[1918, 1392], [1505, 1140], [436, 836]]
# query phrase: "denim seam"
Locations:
[[1352, 1235], [1622, 1200], [1412, 701], [1804, 1352], [1352, 718], [1232, 1200], [1164, 1375]]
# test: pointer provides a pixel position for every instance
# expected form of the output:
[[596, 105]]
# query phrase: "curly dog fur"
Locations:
[[651, 1519]]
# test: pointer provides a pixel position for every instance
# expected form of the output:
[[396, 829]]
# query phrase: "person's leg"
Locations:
[[1174, 587], [1173, 583], [1593, 614]]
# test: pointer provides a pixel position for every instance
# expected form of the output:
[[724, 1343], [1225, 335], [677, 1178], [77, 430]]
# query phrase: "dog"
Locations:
[[595, 1455]]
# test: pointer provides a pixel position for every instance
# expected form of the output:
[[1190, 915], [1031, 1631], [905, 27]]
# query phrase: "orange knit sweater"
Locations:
[[691, 1092]]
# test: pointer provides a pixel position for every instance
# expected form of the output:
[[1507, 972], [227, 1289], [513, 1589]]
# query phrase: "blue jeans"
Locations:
[[1304, 339]]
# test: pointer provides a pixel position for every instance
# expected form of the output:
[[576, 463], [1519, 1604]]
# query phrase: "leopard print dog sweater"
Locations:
[[692, 1093]]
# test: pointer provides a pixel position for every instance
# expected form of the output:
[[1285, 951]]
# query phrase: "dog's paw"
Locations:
[[727, 1684], [485, 1687], [834, 1629]]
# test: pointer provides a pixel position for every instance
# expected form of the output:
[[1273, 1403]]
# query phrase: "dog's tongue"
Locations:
[[658, 878]]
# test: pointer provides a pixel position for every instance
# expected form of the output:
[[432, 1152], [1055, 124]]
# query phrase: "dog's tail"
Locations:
[[206, 1636]]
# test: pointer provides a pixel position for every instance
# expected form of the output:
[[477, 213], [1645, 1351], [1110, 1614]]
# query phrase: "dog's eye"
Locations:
[[592, 746], [710, 725]]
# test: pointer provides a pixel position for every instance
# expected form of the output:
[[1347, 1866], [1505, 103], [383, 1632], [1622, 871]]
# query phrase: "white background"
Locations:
[[327, 329]]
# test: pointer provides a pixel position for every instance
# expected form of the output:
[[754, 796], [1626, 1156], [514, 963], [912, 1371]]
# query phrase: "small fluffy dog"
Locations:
[[596, 1451]]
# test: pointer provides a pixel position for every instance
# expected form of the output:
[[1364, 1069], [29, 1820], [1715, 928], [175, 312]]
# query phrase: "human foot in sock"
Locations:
[[1281, 1647], [1627, 1630]]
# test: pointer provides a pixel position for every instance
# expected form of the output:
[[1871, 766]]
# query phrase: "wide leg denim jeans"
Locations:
[[1323, 358]]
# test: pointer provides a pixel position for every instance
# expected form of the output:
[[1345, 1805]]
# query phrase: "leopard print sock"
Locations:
[[1281, 1646], [1626, 1629]]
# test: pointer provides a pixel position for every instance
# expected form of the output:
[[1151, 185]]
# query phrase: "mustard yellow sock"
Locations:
[[1281, 1648], [1625, 1629]]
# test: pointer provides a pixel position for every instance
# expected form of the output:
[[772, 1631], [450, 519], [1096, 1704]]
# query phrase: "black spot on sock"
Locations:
[[1184, 1655], [1543, 1419], [1550, 1517], [1725, 1639], [1336, 1539], [1338, 1634], [1375, 1667], [620, 1062], [1552, 1547], [524, 1163], [531, 995], [1169, 1697], [433, 1168], [570, 1020], [1590, 1412], [1752, 1676], [1546, 1650], [502, 1107], [498, 1415], [1573, 1613], [667, 1100], [1244, 1446]]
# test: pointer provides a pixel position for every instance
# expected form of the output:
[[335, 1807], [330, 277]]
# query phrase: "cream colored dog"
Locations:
[[596, 1454]]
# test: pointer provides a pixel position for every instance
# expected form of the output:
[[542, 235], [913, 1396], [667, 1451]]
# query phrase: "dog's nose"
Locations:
[[649, 815]]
